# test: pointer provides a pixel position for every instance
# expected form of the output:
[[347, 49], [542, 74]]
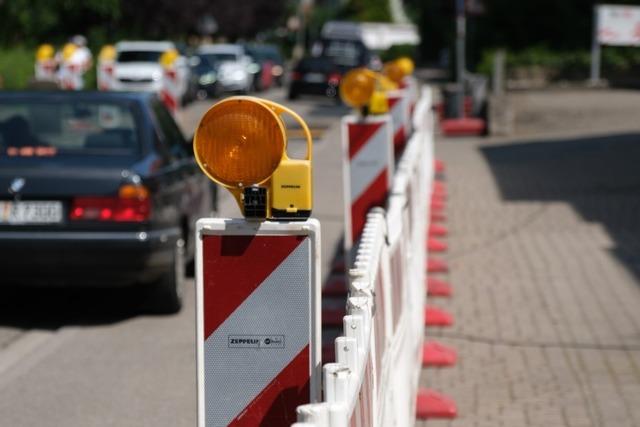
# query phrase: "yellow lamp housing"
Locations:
[[169, 57], [44, 52], [241, 144], [107, 53], [406, 64], [365, 89]]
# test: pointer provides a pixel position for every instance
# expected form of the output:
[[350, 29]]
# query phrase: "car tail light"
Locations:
[[131, 205], [296, 75], [334, 79]]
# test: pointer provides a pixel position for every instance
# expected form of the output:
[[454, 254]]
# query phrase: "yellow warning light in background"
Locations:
[[68, 50], [356, 87], [107, 53], [44, 52], [241, 144], [364, 89], [406, 64], [168, 58], [393, 71]]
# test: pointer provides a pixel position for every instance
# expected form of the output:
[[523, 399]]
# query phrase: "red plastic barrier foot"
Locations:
[[439, 166], [335, 286], [439, 188], [438, 288], [435, 265], [466, 126], [437, 205], [434, 245], [332, 316], [435, 354], [437, 230], [437, 217], [434, 316], [431, 404]]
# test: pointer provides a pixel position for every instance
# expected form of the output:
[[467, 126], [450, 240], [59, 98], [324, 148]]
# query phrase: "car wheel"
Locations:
[[166, 294]]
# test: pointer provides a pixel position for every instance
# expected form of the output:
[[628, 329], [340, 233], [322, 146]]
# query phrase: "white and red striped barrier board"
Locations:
[[258, 338], [170, 92], [367, 169], [399, 111]]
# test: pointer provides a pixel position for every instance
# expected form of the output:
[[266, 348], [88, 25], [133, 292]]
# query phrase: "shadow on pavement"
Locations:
[[51, 308], [599, 176]]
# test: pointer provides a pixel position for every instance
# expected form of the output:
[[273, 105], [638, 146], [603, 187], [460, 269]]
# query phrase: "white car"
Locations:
[[137, 67], [234, 71]]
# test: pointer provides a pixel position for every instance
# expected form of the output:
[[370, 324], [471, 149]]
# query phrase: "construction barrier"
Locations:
[[258, 313], [374, 382], [399, 111], [105, 68], [172, 90], [367, 158], [45, 65]]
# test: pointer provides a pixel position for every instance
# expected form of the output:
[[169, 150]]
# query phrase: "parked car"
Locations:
[[203, 80], [315, 76], [137, 67], [234, 70], [97, 189]]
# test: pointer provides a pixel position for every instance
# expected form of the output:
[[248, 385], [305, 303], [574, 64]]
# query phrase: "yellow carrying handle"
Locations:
[[279, 110]]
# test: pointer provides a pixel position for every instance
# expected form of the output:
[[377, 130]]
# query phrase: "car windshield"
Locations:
[[221, 57], [345, 53], [40, 128], [139, 56]]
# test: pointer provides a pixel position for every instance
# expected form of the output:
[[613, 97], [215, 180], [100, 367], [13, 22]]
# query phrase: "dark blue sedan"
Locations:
[[97, 189]]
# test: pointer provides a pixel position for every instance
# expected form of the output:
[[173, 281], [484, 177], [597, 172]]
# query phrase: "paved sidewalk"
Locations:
[[544, 252]]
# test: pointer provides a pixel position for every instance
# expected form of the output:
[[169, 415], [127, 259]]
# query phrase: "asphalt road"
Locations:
[[87, 357]]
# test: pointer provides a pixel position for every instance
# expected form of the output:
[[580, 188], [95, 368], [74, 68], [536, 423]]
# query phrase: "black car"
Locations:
[[315, 76], [97, 189], [203, 79]]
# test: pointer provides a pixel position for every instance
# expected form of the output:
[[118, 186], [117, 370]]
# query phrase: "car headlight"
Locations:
[[253, 68], [207, 79]]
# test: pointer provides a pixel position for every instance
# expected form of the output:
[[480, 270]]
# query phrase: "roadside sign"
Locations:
[[618, 25], [258, 320]]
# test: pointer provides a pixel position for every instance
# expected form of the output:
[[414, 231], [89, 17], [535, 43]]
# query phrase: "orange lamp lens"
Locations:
[[131, 191], [239, 142], [406, 64], [356, 87], [394, 72]]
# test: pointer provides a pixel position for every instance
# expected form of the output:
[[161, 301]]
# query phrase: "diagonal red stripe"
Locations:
[[276, 405], [393, 100], [234, 266], [374, 195], [359, 134]]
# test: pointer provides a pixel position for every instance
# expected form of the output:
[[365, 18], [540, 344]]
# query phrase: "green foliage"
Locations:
[[16, 67], [568, 64], [366, 11], [32, 22], [398, 50]]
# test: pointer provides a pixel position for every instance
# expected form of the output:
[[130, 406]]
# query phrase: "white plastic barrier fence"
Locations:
[[374, 381]]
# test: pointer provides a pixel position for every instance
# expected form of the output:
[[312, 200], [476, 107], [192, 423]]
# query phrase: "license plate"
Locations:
[[30, 212], [314, 78]]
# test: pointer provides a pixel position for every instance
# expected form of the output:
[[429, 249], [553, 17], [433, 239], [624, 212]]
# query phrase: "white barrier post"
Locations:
[[45, 66], [399, 111], [170, 92], [105, 70], [367, 158], [258, 320]]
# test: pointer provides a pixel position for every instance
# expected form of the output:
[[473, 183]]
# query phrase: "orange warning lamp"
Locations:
[[364, 89], [241, 144], [398, 69]]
